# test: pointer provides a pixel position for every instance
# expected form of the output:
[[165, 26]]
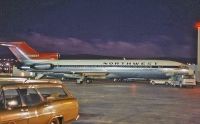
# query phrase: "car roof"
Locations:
[[24, 81]]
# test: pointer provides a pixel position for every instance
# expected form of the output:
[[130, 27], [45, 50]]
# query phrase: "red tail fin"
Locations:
[[32, 53], [26, 49]]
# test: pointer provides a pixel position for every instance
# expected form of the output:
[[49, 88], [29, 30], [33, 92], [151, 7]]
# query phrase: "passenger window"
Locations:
[[2, 105], [56, 92], [12, 99], [30, 96]]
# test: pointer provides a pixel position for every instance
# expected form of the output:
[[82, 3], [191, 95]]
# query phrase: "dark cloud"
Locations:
[[136, 28], [72, 45]]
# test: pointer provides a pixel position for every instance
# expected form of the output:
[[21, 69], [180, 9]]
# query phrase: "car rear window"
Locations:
[[56, 92]]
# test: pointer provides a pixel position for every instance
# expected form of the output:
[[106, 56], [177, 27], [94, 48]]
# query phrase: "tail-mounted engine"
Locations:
[[45, 66]]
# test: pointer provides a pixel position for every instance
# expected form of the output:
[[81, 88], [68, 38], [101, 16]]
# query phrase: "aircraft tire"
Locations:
[[153, 83], [79, 82], [88, 81]]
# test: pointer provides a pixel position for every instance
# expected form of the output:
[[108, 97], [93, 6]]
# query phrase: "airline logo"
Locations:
[[33, 55], [132, 63]]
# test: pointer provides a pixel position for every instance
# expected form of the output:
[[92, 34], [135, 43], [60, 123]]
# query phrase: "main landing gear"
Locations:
[[84, 81]]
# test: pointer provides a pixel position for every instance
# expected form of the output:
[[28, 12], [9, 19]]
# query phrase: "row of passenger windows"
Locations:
[[124, 66]]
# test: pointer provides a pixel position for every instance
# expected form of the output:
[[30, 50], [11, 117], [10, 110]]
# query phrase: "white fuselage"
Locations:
[[148, 69]]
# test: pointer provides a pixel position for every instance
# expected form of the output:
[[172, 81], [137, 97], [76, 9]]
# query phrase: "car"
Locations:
[[37, 102], [183, 80], [159, 81]]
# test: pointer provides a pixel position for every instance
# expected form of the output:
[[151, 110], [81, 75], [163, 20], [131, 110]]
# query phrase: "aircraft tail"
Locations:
[[16, 50], [24, 52]]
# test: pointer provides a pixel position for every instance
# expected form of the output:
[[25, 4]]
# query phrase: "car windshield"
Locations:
[[56, 92], [188, 76]]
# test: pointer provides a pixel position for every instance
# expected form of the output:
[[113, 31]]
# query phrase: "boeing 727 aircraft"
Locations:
[[94, 69]]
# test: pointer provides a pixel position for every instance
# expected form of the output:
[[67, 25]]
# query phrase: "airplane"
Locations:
[[88, 70]]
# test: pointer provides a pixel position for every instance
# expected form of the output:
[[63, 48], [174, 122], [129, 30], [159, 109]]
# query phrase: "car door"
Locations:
[[39, 111], [44, 114], [11, 110], [59, 101], [67, 107]]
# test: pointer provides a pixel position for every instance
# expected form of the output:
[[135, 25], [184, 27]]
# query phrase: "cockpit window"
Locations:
[[184, 66]]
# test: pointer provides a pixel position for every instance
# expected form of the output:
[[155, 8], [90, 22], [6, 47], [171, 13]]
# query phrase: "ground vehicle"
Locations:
[[159, 81], [182, 80], [36, 103]]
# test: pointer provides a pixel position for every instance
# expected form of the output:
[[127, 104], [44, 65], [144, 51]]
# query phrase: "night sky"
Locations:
[[125, 28]]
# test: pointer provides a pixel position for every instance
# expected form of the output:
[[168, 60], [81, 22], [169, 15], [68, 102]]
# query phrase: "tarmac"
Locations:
[[135, 103]]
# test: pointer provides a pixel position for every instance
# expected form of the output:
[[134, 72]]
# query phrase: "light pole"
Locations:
[[198, 52]]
